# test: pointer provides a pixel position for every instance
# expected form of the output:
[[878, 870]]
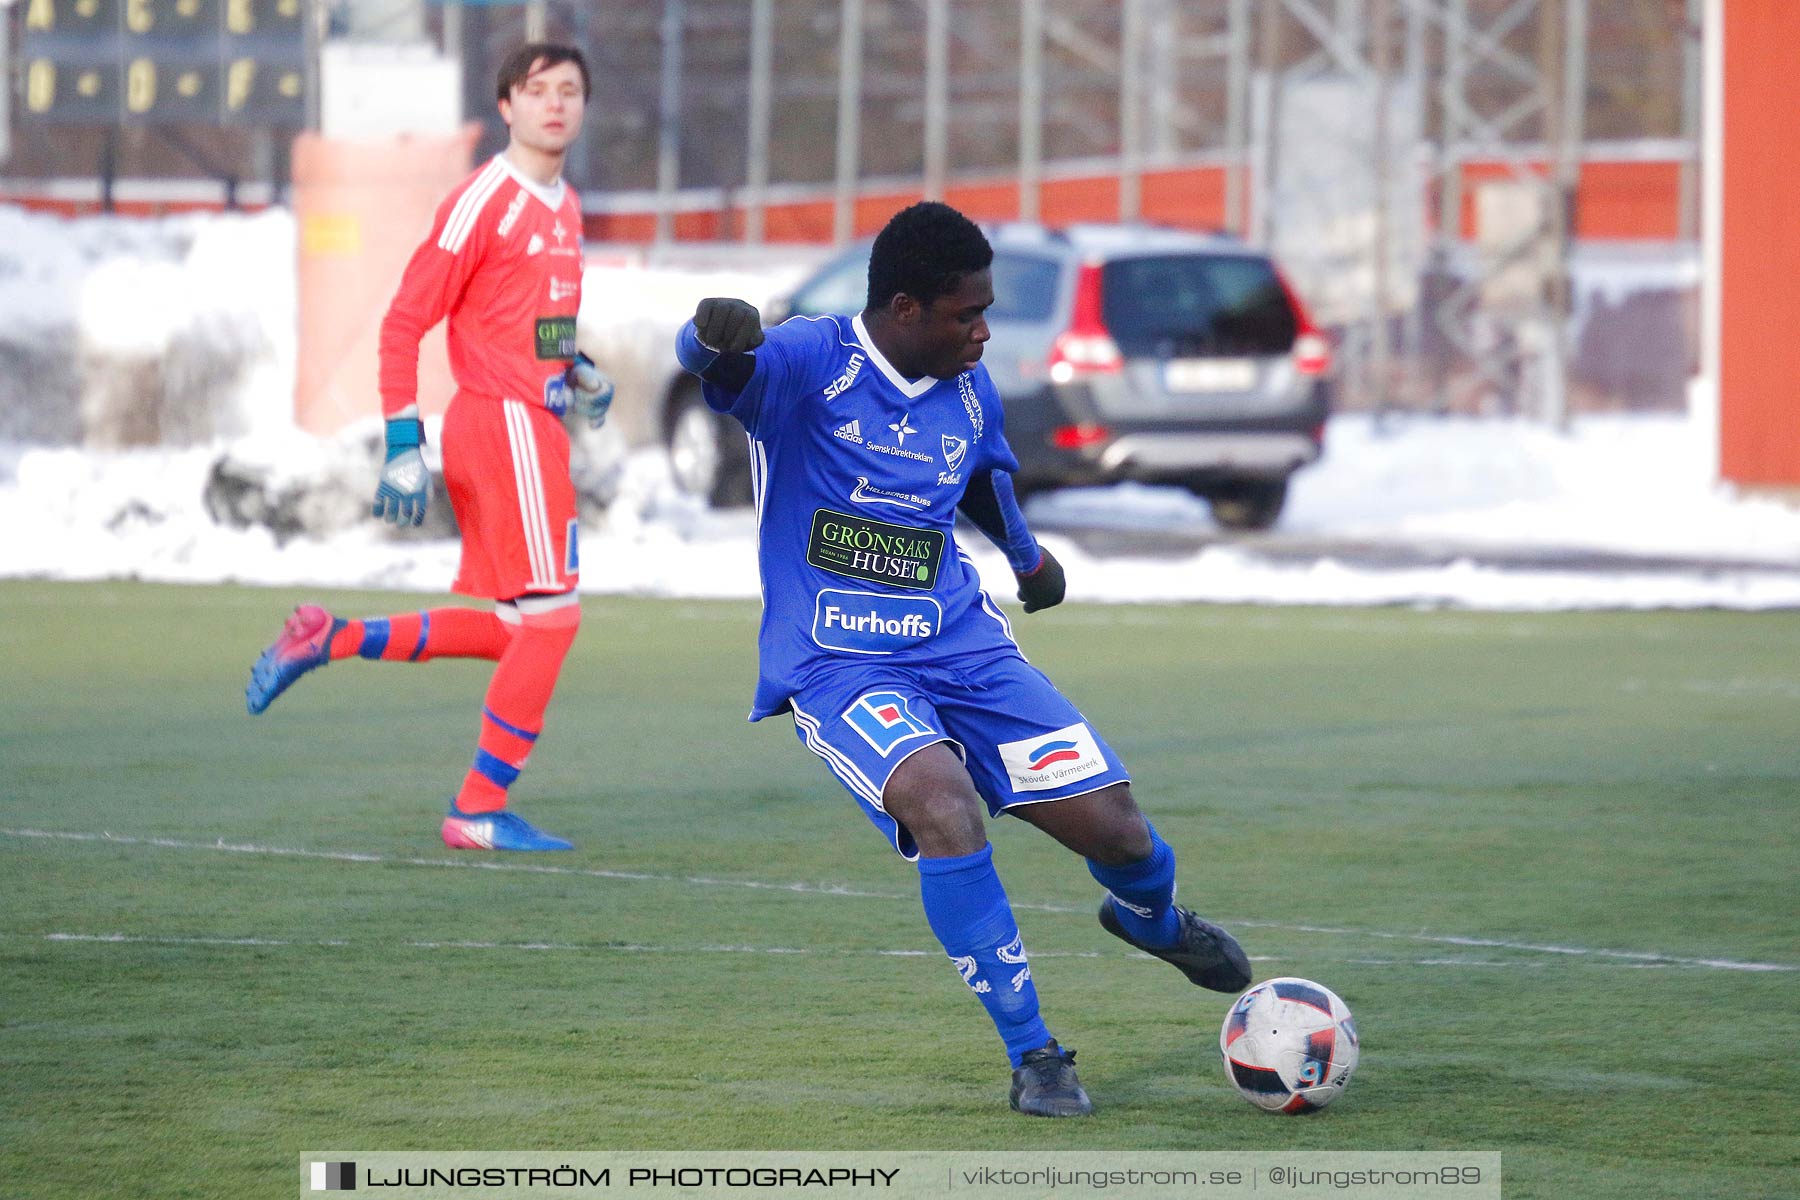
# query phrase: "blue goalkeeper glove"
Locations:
[[405, 482], [590, 390]]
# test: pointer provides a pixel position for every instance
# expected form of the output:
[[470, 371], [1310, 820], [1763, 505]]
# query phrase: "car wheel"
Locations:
[[1247, 504], [708, 455]]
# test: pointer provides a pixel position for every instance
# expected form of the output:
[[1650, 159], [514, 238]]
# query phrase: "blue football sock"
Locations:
[[1144, 893], [967, 908]]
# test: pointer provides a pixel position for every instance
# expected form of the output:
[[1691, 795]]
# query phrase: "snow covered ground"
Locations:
[[1479, 495], [198, 314]]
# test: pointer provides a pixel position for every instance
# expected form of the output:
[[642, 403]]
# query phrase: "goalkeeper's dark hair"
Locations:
[[517, 66], [924, 251]]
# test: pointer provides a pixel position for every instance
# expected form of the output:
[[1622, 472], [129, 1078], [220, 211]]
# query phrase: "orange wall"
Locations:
[[1759, 352], [1614, 201]]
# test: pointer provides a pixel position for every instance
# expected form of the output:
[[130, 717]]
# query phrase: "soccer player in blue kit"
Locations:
[[868, 434]]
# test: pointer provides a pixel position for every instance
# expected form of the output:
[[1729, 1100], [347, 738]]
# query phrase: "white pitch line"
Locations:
[[1642, 957], [536, 947], [1628, 956], [111, 939], [476, 864]]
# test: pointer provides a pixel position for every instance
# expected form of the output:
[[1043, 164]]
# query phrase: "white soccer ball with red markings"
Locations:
[[1289, 1045]]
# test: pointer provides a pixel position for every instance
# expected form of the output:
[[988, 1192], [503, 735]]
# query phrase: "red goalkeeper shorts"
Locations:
[[506, 465]]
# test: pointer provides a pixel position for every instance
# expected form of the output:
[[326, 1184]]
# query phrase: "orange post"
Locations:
[[361, 209], [1759, 292]]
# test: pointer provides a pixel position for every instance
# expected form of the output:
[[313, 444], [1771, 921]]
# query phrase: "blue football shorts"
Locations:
[[1020, 738]]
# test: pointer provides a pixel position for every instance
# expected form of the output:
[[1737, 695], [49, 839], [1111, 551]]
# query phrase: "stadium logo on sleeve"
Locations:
[[512, 212], [1053, 759], [883, 720], [838, 386]]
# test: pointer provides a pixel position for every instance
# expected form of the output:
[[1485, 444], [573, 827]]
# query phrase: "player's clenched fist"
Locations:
[[728, 325], [1042, 586]]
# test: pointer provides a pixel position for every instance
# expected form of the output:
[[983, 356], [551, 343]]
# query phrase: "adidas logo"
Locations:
[[850, 431]]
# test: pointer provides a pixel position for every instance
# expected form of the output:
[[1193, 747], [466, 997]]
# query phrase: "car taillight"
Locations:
[[1085, 347], [1077, 437], [1312, 352]]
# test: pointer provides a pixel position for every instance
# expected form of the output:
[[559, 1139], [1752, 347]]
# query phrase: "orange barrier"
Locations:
[[360, 209], [1614, 201], [1184, 198], [1759, 354]]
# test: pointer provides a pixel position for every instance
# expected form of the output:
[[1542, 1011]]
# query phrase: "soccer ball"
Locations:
[[1289, 1045]]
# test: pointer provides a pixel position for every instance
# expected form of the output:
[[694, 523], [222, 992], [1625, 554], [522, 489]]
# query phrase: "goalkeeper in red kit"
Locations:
[[503, 263]]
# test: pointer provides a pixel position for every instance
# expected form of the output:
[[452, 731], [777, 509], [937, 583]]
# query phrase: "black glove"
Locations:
[[1042, 586], [728, 325]]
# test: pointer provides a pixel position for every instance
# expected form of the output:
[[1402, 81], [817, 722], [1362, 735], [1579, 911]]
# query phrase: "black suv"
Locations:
[[1131, 352]]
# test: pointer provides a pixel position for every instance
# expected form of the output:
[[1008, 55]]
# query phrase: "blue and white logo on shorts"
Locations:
[[884, 721], [1036, 764]]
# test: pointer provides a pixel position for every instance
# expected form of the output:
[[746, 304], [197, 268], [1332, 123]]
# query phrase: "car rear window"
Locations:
[[1024, 288], [1192, 304], [840, 287]]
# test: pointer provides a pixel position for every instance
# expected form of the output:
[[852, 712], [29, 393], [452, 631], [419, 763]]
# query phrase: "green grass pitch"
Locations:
[[1537, 854]]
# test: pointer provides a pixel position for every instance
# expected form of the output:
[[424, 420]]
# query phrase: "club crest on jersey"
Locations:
[[1050, 760], [955, 449], [883, 720], [559, 233], [842, 383]]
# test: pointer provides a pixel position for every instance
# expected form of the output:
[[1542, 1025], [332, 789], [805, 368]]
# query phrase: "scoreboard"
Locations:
[[164, 62]]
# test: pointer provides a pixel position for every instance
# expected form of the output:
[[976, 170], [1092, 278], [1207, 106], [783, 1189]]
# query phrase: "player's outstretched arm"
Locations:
[[990, 503], [717, 344]]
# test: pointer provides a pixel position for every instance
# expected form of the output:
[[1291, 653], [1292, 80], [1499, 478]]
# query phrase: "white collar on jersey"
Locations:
[[912, 389], [552, 196]]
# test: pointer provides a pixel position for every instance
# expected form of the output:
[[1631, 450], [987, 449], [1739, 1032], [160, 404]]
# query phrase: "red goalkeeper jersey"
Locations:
[[503, 262]]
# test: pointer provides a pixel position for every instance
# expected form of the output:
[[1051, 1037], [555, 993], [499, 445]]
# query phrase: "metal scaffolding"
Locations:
[[1344, 130]]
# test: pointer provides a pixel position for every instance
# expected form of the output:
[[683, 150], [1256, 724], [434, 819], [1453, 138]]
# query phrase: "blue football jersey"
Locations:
[[857, 473]]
